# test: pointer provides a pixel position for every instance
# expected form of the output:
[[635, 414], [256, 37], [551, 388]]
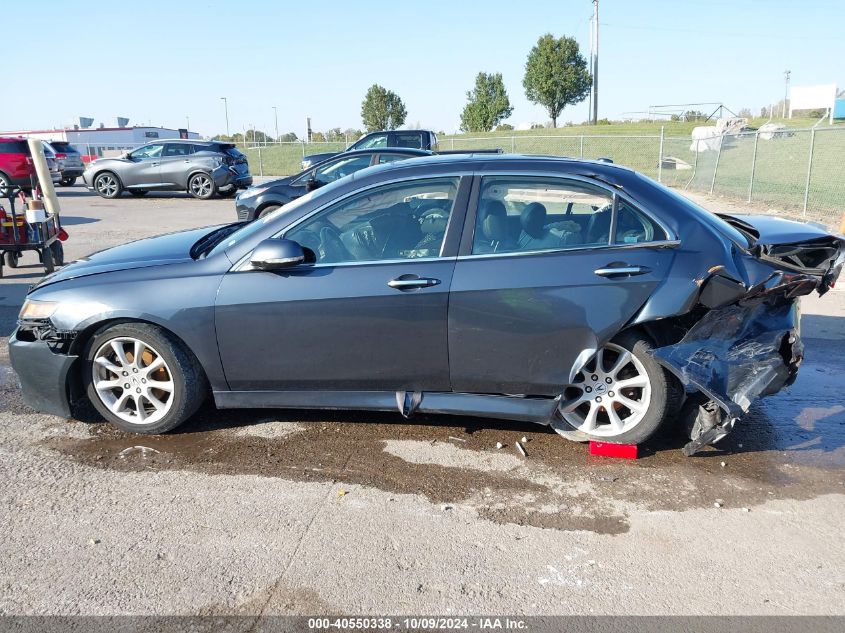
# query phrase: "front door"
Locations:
[[544, 283], [369, 314], [146, 168]]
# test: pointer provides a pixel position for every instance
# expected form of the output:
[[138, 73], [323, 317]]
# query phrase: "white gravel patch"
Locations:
[[449, 455]]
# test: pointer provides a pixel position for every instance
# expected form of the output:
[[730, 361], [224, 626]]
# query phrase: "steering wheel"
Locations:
[[331, 247]]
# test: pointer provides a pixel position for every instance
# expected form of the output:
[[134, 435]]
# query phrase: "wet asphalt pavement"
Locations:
[[263, 512]]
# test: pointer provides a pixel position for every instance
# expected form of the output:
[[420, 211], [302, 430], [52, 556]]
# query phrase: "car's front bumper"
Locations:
[[43, 373]]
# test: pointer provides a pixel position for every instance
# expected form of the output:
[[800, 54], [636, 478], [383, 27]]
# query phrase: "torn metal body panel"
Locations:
[[747, 345]]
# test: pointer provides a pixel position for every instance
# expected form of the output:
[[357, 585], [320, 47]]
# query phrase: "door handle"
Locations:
[[412, 282], [612, 271]]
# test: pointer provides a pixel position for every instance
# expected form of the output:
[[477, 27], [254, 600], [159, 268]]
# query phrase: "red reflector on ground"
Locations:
[[605, 449]]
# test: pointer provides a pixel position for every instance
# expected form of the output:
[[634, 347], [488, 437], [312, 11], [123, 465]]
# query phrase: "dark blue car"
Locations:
[[570, 293]]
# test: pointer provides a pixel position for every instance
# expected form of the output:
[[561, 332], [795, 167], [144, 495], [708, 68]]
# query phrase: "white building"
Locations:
[[95, 143]]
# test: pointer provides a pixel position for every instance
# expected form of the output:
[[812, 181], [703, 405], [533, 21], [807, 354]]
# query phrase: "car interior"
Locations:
[[521, 216], [393, 223]]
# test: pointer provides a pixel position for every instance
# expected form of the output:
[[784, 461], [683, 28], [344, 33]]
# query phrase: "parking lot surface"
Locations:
[[292, 512]]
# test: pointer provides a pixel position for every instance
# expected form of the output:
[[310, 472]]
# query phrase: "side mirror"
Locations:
[[311, 184], [276, 254]]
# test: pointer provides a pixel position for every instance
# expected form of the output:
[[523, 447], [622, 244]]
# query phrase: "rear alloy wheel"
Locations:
[[141, 379], [622, 395], [107, 185], [68, 182], [201, 186]]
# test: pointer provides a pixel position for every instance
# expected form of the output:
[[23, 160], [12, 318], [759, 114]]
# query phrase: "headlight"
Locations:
[[37, 310], [252, 192]]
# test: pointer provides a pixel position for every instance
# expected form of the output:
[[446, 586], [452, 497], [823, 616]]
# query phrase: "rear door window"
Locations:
[[408, 139], [527, 214], [178, 149], [14, 147]]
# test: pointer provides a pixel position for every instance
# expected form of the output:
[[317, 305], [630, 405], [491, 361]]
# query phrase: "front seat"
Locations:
[[492, 225], [535, 235]]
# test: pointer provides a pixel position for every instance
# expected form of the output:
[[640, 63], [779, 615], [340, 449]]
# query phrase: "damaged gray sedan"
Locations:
[[569, 293]]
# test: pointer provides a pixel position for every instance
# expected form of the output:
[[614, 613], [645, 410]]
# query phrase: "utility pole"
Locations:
[[187, 123], [594, 62], [786, 74], [276, 118], [226, 109]]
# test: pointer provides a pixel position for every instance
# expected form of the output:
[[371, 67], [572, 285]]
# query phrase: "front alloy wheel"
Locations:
[[201, 186], [142, 379], [107, 185], [133, 380]]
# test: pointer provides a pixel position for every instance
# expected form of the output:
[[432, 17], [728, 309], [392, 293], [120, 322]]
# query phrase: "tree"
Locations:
[[382, 109], [290, 137], [487, 104], [352, 134], [504, 127], [556, 75], [334, 134]]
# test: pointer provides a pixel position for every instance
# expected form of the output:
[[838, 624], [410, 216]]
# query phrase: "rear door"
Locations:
[[175, 164], [549, 269]]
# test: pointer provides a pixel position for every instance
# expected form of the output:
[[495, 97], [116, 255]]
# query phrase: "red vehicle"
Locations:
[[16, 167]]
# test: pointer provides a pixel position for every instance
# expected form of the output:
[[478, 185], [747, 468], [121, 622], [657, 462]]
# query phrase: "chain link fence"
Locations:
[[793, 173]]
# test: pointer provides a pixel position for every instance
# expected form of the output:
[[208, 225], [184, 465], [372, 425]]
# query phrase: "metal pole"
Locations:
[[753, 165], [660, 161], [581, 150], [809, 170], [276, 118], [226, 110], [260, 163], [595, 63], [786, 74], [513, 145], [716, 168]]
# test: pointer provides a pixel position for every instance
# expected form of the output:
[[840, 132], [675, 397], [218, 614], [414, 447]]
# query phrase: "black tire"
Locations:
[[190, 387], [108, 185], [58, 251], [12, 259], [68, 182], [47, 260], [667, 395], [231, 192], [267, 210], [138, 192], [202, 186], [5, 185]]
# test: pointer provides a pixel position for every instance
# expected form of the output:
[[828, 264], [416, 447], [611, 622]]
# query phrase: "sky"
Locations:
[[164, 63]]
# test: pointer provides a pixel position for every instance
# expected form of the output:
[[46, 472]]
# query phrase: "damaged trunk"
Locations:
[[747, 344]]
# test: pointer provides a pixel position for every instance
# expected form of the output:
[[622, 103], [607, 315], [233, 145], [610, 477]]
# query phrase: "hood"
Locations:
[[152, 251]]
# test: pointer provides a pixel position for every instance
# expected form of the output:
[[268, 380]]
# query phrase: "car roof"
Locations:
[[520, 161], [410, 151]]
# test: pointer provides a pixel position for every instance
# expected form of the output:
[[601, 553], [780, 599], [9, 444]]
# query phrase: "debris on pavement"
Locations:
[[521, 449], [456, 439], [499, 445], [341, 493]]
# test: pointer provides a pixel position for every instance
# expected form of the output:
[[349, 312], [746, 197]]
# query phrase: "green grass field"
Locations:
[[780, 169]]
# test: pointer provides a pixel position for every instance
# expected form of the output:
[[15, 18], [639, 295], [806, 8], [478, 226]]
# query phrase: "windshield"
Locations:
[[261, 223]]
